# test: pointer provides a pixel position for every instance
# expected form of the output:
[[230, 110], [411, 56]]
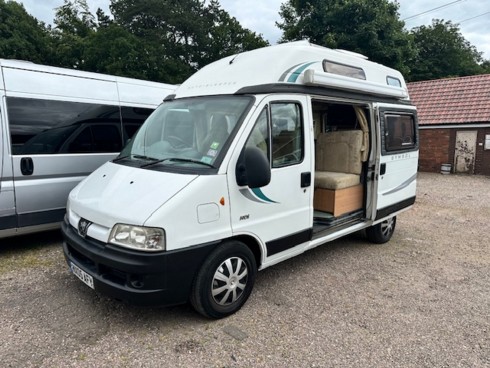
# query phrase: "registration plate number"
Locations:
[[82, 275]]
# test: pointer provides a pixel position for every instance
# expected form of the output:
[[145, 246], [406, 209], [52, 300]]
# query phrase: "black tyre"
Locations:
[[381, 232], [225, 280]]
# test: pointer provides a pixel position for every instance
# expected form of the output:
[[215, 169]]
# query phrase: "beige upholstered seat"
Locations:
[[335, 180], [339, 159]]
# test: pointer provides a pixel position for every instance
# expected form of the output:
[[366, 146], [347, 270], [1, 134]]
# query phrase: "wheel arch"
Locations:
[[254, 245]]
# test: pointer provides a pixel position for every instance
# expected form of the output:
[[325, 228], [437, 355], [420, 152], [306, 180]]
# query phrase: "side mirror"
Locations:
[[253, 168]]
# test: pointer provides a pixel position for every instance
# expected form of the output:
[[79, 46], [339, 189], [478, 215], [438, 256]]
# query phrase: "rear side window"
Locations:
[[399, 132], [54, 127]]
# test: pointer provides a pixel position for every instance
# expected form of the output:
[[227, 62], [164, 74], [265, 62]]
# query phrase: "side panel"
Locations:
[[280, 213], [397, 169]]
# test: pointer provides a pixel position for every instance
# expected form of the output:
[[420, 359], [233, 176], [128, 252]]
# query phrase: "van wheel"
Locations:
[[381, 232], [225, 280]]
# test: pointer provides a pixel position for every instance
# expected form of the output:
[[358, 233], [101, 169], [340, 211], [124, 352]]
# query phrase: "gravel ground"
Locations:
[[421, 300]]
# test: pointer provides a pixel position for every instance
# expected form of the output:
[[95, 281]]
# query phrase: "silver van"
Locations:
[[56, 127]]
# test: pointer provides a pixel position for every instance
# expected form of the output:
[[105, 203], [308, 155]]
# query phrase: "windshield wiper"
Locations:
[[177, 159], [140, 157], [120, 158]]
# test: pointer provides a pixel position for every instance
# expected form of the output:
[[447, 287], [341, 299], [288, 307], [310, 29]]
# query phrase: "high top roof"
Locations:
[[293, 63], [453, 100]]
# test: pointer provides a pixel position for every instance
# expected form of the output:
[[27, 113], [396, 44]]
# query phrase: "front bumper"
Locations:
[[163, 278]]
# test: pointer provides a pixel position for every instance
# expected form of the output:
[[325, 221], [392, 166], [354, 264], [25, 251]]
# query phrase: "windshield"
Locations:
[[187, 133]]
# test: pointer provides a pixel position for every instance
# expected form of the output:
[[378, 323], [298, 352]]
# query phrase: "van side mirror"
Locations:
[[253, 168]]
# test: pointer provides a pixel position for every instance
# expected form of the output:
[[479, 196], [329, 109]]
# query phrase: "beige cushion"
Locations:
[[335, 180], [340, 151]]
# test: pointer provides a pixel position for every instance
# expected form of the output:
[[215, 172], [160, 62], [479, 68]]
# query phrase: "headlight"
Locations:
[[138, 237]]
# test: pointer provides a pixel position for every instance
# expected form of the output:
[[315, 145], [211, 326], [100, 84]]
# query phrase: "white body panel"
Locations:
[[280, 208], [118, 194]]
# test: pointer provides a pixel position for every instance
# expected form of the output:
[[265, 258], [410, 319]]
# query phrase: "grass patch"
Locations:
[[28, 252]]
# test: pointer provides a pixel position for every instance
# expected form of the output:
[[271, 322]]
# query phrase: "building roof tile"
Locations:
[[462, 100]]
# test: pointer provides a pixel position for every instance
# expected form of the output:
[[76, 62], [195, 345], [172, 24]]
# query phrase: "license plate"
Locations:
[[82, 275]]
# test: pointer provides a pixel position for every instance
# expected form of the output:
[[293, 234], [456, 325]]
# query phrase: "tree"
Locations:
[[182, 36], [73, 25], [369, 27], [21, 35], [442, 51]]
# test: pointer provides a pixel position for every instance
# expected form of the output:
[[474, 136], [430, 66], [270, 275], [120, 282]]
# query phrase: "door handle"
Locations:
[[26, 166], [382, 169], [305, 179]]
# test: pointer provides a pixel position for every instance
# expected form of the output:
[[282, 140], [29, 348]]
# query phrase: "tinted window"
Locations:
[[399, 132], [50, 127], [133, 118]]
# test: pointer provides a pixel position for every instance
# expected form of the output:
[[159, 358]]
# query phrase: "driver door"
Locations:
[[280, 213]]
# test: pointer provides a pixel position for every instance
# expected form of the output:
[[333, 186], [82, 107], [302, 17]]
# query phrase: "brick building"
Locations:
[[454, 122]]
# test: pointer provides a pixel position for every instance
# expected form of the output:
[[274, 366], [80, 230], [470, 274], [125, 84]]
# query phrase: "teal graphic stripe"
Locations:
[[261, 195], [283, 76], [293, 77]]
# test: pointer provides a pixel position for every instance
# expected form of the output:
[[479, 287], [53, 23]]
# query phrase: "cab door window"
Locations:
[[287, 134], [278, 133], [259, 138]]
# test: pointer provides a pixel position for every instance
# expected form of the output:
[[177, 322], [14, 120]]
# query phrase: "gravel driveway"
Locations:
[[421, 300]]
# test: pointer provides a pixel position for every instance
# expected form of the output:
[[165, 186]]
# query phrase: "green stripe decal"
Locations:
[[261, 195], [293, 77]]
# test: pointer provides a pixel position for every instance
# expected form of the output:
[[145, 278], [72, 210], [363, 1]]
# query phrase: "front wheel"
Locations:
[[381, 232], [225, 280]]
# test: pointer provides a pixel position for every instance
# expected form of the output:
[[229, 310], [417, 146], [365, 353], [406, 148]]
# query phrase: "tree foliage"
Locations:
[[442, 51], [369, 27], [21, 35], [74, 26], [168, 40], [160, 40], [185, 34]]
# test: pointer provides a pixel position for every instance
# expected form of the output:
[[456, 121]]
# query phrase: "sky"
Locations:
[[260, 16]]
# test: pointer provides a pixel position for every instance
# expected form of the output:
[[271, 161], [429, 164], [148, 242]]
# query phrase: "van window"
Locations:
[[132, 119], [52, 127], [190, 133], [287, 134], [96, 139], [342, 69], [259, 137], [282, 137], [399, 132]]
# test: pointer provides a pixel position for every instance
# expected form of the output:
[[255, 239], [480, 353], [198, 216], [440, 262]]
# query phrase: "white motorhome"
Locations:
[[257, 158], [57, 126]]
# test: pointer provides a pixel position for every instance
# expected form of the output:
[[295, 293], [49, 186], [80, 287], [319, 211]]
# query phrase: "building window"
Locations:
[[487, 141]]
